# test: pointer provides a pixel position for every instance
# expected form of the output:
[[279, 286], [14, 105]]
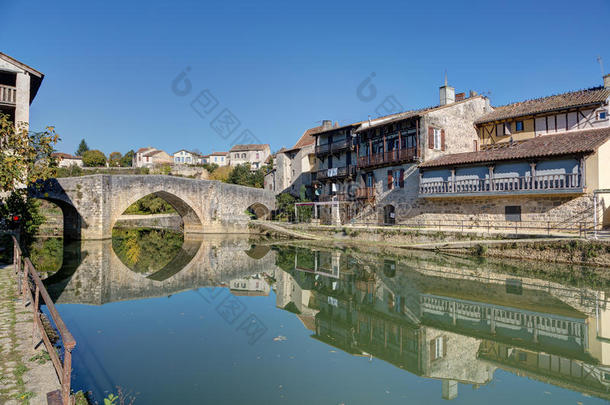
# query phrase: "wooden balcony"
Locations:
[[334, 147], [8, 95], [388, 158], [336, 173], [563, 183]]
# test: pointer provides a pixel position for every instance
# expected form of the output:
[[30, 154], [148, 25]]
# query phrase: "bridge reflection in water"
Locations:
[[451, 320]]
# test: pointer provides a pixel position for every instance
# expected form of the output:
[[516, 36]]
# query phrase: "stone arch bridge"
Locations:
[[92, 204]]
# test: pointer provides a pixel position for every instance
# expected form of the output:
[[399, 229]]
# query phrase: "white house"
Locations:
[[255, 154], [67, 160], [184, 156], [219, 158]]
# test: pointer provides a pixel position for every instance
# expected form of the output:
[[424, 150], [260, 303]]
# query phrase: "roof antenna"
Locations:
[[601, 64], [445, 77]]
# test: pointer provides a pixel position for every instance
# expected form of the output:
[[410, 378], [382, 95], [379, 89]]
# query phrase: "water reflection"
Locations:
[[451, 323], [446, 318]]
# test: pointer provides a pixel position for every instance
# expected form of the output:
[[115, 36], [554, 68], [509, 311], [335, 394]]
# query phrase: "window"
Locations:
[[257, 155], [437, 139], [518, 126], [512, 213], [438, 348], [396, 179], [602, 115], [243, 155]]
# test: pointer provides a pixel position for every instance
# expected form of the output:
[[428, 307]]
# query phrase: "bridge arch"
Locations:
[[191, 220], [259, 211]]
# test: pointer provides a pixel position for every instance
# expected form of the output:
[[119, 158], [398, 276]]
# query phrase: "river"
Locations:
[[175, 319]]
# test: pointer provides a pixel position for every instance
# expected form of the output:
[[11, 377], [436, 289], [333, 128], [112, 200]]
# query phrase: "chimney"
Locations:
[[447, 93], [327, 124], [607, 81], [473, 93]]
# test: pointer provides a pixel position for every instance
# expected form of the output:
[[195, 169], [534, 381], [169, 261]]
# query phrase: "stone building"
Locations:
[[366, 168], [150, 157], [294, 168], [537, 162], [254, 154], [19, 84]]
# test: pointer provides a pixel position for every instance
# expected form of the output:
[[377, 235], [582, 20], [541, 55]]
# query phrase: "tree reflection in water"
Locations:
[[146, 250]]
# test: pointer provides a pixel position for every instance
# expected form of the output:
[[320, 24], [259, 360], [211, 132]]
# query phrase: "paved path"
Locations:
[[26, 375]]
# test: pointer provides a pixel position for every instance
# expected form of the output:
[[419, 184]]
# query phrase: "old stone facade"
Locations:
[[19, 84]]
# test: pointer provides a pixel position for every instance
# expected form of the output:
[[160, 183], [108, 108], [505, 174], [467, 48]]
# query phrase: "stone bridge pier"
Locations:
[[92, 204]]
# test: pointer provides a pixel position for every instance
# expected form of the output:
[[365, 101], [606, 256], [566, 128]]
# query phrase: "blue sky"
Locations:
[[282, 67]]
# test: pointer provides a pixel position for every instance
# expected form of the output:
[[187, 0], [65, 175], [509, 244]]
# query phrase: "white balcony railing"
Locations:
[[548, 182], [8, 94]]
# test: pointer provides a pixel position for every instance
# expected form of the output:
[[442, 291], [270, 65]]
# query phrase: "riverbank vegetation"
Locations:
[[146, 250]]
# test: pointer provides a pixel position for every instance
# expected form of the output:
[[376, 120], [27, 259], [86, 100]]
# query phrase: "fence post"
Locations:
[[65, 380], [36, 315], [548, 228]]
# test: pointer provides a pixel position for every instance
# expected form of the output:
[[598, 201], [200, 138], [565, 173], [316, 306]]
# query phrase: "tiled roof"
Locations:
[[153, 152], [539, 105], [144, 149], [64, 155], [364, 125], [250, 146], [188, 151], [576, 142], [219, 154]]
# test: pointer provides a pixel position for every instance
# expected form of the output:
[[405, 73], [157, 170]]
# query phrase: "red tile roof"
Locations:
[[144, 149], [576, 142], [595, 95]]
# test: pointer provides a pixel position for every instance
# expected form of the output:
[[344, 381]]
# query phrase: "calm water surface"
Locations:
[[182, 320]]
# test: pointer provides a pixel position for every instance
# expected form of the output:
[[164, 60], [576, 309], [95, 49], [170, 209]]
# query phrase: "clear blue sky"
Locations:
[[282, 67]]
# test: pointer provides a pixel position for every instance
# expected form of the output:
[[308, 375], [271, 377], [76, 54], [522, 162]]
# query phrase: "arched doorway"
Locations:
[[389, 214]]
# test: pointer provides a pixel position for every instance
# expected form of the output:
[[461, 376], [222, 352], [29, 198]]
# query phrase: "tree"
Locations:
[[127, 159], [25, 156], [94, 158], [82, 148], [210, 167], [240, 175], [114, 159]]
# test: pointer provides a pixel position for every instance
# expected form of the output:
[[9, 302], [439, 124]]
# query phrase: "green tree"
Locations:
[[127, 159], [82, 148], [285, 206], [240, 175], [210, 167], [25, 156], [94, 158], [114, 159]]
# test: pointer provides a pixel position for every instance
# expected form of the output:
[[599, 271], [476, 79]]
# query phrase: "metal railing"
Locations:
[[565, 181], [390, 157], [8, 94], [32, 289]]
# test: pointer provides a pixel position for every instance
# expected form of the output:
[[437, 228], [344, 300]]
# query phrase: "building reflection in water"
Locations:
[[453, 320], [454, 323]]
